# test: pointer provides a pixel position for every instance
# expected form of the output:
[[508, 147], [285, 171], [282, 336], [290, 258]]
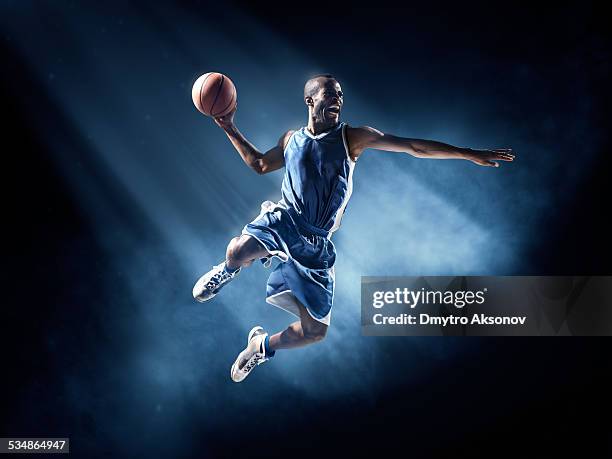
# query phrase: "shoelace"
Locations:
[[218, 279], [255, 360]]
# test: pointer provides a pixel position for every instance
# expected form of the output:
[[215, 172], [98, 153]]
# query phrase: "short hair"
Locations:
[[312, 85]]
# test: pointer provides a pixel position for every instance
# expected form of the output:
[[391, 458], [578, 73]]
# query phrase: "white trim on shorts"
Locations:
[[287, 301]]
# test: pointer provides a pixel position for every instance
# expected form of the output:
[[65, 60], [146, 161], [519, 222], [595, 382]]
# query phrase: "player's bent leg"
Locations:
[[261, 347], [241, 251], [314, 331], [306, 331]]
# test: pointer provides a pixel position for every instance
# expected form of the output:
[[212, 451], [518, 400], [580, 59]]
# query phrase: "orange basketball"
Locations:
[[214, 94]]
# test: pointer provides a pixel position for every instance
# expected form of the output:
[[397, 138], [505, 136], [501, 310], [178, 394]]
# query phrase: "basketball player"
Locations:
[[319, 160]]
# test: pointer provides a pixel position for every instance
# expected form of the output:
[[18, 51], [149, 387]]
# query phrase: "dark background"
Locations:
[[72, 322]]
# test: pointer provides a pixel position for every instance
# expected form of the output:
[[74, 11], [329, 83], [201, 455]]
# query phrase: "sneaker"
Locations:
[[210, 283], [253, 355]]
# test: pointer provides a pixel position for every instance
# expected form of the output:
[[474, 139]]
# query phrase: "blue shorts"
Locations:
[[306, 271]]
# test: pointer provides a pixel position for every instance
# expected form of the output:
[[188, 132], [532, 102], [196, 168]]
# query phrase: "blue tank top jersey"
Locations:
[[318, 178]]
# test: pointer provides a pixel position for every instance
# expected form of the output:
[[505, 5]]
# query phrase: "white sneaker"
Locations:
[[210, 283], [253, 355]]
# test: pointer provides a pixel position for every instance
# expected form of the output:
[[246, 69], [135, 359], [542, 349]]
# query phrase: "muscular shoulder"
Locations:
[[361, 137], [282, 142]]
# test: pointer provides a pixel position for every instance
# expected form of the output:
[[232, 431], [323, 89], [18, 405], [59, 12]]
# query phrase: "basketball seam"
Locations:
[[201, 89], [231, 102], [212, 113]]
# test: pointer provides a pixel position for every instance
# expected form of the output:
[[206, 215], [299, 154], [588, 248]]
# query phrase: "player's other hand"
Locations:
[[227, 121], [490, 157]]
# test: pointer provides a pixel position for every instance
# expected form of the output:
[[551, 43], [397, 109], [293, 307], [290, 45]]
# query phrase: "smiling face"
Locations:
[[323, 96]]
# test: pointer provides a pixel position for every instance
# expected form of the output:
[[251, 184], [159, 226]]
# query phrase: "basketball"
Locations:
[[214, 94]]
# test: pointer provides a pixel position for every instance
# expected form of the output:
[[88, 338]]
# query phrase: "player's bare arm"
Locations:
[[262, 163], [362, 138]]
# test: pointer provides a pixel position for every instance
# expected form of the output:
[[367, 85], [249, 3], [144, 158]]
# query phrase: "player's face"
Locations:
[[328, 101]]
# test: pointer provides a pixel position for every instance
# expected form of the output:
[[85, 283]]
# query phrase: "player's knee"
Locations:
[[245, 248], [316, 333], [233, 249]]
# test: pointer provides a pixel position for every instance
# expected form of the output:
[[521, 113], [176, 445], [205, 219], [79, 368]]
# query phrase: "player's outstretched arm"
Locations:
[[262, 163], [362, 138]]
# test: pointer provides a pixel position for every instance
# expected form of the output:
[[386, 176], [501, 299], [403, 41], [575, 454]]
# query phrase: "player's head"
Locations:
[[324, 98]]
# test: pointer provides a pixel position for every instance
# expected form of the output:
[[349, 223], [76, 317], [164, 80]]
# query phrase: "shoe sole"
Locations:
[[232, 371], [251, 334], [204, 300], [199, 299]]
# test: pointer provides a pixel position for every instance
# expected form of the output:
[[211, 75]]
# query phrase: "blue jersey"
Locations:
[[318, 178], [316, 188]]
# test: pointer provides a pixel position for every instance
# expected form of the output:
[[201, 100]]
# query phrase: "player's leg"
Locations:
[[301, 333], [260, 347], [240, 252]]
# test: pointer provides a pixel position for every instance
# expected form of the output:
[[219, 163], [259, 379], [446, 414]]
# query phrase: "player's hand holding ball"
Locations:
[[214, 95], [227, 121]]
